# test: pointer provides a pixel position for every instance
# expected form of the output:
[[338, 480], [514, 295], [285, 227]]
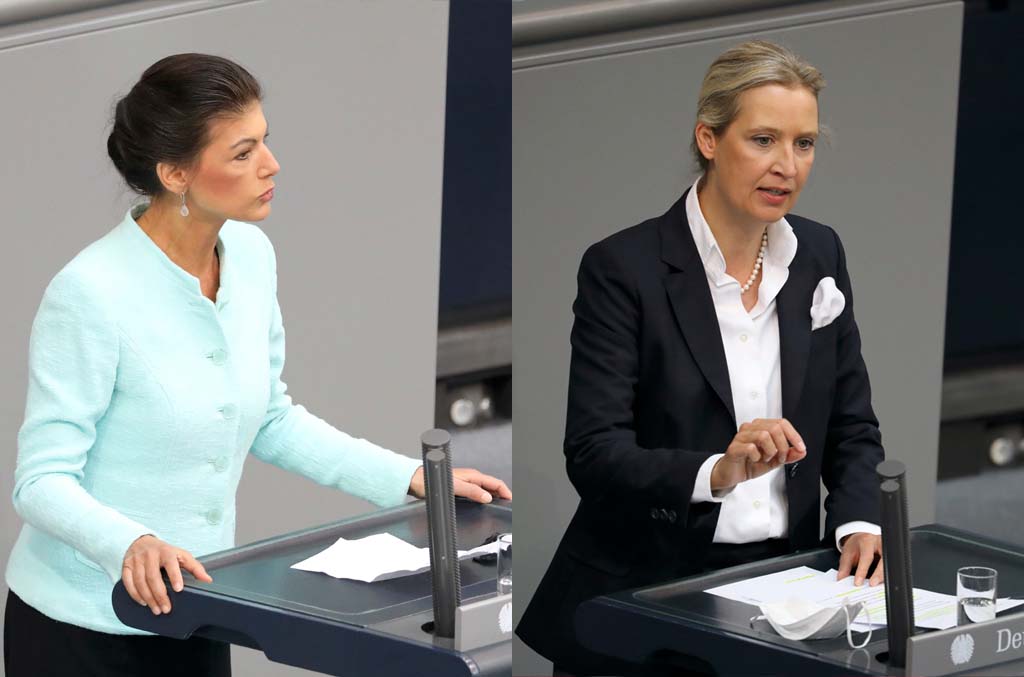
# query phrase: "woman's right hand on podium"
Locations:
[[759, 446], [141, 571]]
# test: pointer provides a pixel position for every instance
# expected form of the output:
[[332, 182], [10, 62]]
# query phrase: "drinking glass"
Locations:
[[975, 595], [504, 564]]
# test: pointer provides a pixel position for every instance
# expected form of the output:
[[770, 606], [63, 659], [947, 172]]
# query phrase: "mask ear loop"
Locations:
[[849, 633]]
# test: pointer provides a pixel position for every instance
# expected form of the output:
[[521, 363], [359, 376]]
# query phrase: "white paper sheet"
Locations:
[[377, 558], [931, 609]]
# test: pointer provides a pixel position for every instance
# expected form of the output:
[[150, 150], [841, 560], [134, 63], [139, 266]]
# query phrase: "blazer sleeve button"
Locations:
[[655, 514], [672, 516]]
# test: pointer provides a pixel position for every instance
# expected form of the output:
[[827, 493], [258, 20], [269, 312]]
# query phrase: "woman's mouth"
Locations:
[[774, 196], [266, 197]]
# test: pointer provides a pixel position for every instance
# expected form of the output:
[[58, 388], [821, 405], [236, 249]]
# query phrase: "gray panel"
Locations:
[[31, 22], [355, 96], [601, 130], [476, 347], [983, 393], [543, 21], [17, 11], [571, 42]]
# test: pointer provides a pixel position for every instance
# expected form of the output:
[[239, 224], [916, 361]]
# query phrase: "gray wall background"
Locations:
[[355, 99], [601, 129]]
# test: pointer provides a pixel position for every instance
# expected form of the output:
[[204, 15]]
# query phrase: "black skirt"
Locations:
[[38, 646]]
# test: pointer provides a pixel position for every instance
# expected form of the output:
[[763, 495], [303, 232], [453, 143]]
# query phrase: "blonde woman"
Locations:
[[716, 372]]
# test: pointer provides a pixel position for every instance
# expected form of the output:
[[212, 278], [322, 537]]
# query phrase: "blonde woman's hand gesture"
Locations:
[[759, 446]]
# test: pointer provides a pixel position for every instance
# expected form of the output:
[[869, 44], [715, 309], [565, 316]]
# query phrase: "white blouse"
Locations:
[[754, 510]]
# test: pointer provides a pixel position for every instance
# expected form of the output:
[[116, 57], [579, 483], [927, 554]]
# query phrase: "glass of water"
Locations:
[[504, 564], [975, 595]]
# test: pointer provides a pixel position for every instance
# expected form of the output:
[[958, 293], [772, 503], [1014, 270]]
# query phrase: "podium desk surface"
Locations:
[[335, 626], [658, 624]]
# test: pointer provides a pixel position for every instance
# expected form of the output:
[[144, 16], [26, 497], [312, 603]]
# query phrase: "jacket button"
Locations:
[[655, 514], [218, 356], [229, 411], [672, 516], [213, 516]]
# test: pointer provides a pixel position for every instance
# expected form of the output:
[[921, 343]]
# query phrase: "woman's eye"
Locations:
[[245, 155], [805, 144], [762, 140]]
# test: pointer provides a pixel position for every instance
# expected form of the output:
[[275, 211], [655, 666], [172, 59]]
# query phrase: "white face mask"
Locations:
[[800, 619]]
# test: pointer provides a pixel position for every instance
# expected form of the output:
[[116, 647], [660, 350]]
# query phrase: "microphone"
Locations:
[[444, 560], [899, 584]]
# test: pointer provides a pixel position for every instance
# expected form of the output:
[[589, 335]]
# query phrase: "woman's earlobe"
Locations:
[[705, 145]]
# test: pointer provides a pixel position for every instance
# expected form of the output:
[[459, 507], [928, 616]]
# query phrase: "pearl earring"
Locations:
[[184, 207]]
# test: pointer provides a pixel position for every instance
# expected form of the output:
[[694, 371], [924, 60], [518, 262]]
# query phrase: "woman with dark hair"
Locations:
[[154, 368]]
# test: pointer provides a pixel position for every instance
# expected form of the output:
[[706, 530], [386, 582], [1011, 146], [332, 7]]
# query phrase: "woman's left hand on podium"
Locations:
[[859, 551], [467, 482]]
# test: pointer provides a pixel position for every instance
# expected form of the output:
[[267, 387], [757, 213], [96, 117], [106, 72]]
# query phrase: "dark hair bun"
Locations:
[[166, 115]]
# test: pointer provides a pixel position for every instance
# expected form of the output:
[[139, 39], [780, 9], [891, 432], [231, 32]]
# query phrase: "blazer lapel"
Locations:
[[690, 297], [794, 307]]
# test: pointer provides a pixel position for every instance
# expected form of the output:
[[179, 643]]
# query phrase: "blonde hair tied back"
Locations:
[[751, 64]]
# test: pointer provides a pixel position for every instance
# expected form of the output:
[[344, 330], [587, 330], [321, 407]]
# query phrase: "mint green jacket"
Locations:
[[144, 399]]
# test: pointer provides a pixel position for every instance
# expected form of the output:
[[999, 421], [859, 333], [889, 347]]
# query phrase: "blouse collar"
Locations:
[[183, 278], [782, 242]]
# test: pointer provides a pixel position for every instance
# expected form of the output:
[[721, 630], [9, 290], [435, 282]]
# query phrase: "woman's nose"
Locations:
[[271, 166], [785, 164]]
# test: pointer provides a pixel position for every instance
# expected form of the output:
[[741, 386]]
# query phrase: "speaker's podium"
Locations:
[[344, 627], [676, 626]]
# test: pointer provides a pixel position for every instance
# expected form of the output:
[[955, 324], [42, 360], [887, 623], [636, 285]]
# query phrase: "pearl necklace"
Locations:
[[757, 265]]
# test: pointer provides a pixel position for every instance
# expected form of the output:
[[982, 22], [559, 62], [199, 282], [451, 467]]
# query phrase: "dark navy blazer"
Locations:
[[650, 401]]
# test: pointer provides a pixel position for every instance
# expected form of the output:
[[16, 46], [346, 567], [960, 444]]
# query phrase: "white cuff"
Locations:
[[854, 527], [702, 485]]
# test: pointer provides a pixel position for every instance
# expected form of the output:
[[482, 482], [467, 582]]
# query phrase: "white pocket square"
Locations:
[[827, 304]]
